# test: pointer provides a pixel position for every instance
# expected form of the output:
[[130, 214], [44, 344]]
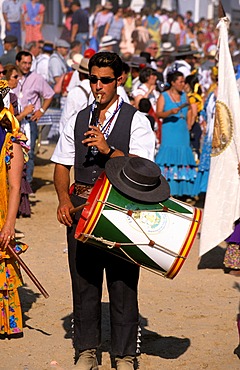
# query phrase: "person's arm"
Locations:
[[74, 31], [23, 15], [160, 107], [5, 15], [26, 111], [142, 137], [14, 180], [106, 29], [190, 120], [41, 15], [62, 183], [95, 26], [38, 114], [64, 8]]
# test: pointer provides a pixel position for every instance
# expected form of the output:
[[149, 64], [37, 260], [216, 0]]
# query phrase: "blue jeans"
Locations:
[[15, 31], [31, 153], [83, 38]]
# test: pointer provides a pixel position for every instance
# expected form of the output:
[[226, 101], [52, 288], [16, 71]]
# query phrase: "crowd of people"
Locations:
[[156, 75]]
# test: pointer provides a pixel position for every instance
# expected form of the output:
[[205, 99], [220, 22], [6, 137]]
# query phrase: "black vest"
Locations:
[[87, 171]]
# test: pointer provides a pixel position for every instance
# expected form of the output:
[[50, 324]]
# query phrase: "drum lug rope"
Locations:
[[164, 209], [151, 243], [114, 244]]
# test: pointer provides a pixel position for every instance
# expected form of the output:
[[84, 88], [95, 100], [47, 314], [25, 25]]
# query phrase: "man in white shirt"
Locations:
[[116, 130], [79, 96], [184, 59], [170, 30], [13, 16], [43, 60]]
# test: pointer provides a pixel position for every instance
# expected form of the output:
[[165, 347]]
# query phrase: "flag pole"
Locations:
[[221, 11]]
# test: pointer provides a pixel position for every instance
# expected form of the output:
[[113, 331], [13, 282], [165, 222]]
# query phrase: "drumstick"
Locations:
[[28, 271], [79, 208]]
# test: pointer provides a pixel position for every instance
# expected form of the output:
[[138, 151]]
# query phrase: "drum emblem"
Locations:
[[150, 222]]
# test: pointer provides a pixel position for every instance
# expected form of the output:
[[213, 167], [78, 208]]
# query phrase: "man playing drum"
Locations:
[[101, 131]]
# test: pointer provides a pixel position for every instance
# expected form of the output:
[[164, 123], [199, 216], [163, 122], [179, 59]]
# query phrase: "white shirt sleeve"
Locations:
[[142, 137], [64, 152]]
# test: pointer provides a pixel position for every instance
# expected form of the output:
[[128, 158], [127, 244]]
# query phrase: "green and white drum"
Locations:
[[155, 236]]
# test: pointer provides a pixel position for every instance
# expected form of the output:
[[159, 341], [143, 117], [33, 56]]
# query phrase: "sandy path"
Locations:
[[188, 323]]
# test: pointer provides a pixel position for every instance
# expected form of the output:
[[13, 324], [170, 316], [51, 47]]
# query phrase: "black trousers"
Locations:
[[87, 264]]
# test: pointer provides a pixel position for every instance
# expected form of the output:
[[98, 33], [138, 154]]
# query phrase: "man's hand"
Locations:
[[63, 213], [36, 115], [94, 137]]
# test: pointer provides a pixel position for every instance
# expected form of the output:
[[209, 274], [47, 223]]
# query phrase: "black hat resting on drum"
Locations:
[[138, 178]]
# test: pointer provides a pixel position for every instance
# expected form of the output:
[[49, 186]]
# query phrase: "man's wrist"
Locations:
[[111, 151], [42, 110]]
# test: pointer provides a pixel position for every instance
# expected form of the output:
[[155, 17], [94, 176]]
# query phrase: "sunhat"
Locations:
[[167, 47], [9, 39], [62, 44], [48, 47], [108, 5], [82, 66], [76, 59], [137, 62], [107, 41], [183, 50], [138, 178]]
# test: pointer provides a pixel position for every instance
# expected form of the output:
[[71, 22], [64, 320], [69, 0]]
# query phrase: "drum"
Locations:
[[156, 236]]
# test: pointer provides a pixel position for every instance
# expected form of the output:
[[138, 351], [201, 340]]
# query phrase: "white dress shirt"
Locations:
[[142, 138]]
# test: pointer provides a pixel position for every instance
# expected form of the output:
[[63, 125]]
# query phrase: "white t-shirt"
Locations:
[[153, 97], [170, 26]]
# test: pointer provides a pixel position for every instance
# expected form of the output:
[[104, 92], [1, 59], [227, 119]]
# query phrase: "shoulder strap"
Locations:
[[170, 28], [85, 91]]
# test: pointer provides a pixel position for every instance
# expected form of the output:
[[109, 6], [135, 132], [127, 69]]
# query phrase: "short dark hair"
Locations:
[[173, 76], [74, 43], [144, 105], [145, 73], [107, 59], [75, 2], [126, 67], [22, 53], [192, 80]]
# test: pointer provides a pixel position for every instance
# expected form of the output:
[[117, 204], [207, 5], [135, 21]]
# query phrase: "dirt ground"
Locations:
[[187, 323]]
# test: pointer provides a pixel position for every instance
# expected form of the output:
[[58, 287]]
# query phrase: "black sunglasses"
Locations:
[[104, 80], [16, 76], [3, 72]]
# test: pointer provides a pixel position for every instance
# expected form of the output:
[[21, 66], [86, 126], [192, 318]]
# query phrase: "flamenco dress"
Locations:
[[33, 13], [208, 113], [175, 157], [10, 275], [24, 209]]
